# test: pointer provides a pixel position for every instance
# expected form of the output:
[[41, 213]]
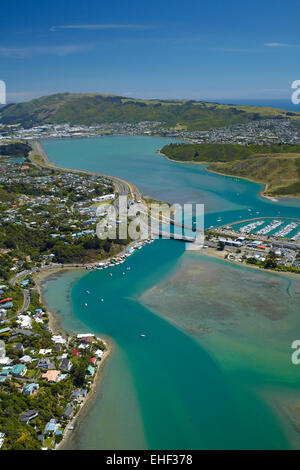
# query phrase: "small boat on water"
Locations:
[[143, 336], [85, 305], [102, 300], [88, 292]]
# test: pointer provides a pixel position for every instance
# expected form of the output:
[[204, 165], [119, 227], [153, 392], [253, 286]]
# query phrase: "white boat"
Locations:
[[143, 336], [85, 305]]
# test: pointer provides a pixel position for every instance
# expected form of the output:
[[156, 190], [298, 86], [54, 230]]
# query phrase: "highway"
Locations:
[[122, 187]]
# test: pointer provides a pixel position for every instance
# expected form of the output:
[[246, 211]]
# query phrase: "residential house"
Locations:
[[6, 371], [44, 352], [57, 348], [46, 363], [18, 348], [58, 339], [65, 364], [24, 321], [87, 339], [23, 332], [90, 370], [52, 376], [69, 411], [51, 427], [4, 330], [30, 389], [26, 359], [79, 394], [2, 436], [2, 350], [19, 370], [28, 416], [99, 353]]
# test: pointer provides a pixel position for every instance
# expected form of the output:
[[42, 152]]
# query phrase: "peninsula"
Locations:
[[277, 166]]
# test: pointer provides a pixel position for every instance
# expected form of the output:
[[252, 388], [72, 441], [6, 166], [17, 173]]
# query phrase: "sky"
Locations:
[[215, 50]]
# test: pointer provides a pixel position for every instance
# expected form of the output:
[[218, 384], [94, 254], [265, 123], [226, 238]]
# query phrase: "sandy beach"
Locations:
[[40, 278]]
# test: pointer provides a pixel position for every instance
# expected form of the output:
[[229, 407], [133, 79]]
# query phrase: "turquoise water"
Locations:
[[178, 388], [135, 159]]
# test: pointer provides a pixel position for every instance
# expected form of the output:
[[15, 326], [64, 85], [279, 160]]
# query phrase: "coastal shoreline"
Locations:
[[89, 398], [213, 253], [261, 193], [40, 278], [48, 164]]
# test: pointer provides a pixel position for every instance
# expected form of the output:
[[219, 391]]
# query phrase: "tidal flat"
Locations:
[[245, 319]]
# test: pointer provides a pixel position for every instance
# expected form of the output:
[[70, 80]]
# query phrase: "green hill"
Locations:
[[222, 152], [276, 166], [279, 173], [95, 108]]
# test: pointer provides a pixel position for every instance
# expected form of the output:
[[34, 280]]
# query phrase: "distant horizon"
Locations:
[[213, 51]]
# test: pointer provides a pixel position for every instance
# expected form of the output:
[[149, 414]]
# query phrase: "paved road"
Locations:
[[20, 275], [26, 301], [122, 186]]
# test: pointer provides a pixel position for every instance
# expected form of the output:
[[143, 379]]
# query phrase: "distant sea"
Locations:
[[282, 103]]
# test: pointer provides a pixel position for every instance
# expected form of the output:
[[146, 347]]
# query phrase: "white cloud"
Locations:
[[30, 51], [275, 44], [101, 27]]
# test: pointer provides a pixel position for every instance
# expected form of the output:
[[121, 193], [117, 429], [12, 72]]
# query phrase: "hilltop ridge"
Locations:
[[90, 108]]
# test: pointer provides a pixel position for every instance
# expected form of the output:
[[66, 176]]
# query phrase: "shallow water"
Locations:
[[218, 337]]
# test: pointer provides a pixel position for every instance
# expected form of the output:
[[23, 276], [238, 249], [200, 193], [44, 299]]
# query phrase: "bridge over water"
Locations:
[[178, 236]]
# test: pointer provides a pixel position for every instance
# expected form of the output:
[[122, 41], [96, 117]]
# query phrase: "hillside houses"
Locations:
[[32, 371]]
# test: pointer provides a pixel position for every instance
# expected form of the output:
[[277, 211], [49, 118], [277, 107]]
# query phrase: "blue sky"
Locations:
[[197, 49]]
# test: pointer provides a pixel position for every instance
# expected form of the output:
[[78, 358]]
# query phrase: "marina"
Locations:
[[266, 227], [120, 259]]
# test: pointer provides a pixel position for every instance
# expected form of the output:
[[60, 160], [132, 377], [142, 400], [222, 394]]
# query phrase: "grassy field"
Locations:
[[279, 173]]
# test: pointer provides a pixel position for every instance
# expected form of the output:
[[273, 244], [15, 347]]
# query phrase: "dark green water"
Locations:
[[178, 387]]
